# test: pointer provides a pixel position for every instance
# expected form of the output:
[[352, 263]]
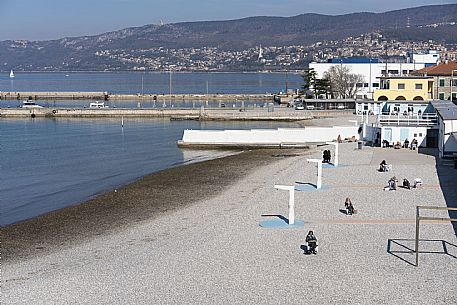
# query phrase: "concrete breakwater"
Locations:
[[140, 97], [203, 114], [260, 138], [72, 95]]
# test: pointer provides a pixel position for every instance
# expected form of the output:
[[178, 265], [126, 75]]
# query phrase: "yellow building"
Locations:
[[404, 88]]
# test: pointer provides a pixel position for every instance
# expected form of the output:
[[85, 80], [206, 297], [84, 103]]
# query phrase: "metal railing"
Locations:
[[437, 219], [426, 119]]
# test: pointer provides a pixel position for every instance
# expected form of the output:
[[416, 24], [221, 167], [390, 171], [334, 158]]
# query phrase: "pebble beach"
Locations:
[[191, 235]]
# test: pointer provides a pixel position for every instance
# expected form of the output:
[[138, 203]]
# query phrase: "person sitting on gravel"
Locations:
[[406, 184], [329, 156], [312, 242], [347, 202], [350, 209], [406, 143], [382, 166], [392, 184], [326, 156]]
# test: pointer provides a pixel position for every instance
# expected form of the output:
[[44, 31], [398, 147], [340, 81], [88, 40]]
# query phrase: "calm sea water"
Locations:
[[149, 83], [48, 164], [152, 83]]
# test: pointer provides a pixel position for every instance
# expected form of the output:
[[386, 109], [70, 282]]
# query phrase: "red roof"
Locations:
[[440, 70]]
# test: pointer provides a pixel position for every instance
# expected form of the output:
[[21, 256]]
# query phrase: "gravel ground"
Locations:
[[213, 251]]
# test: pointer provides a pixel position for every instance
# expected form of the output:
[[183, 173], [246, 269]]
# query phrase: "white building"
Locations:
[[391, 107], [434, 127], [447, 126], [372, 69], [370, 72], [431, 58]]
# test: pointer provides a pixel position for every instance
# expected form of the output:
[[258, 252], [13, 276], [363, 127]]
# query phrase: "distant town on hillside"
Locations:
[[250, 44]]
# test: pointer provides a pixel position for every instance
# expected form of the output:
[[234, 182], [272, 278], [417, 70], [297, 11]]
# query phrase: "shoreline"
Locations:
[[149, 197], [186, 255]]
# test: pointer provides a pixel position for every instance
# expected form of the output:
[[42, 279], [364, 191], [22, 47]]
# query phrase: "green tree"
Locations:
[[309, 78], [322, 86]]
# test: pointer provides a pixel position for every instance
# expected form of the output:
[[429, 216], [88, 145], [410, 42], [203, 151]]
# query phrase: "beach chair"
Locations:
[[417, 182], [387, 167]]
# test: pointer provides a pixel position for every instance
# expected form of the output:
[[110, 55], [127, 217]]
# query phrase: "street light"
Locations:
[[452, 82]]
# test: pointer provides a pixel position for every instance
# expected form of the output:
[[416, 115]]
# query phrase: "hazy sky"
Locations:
[[52, 19]]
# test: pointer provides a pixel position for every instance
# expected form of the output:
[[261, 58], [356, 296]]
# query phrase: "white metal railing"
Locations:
[[426, 119]]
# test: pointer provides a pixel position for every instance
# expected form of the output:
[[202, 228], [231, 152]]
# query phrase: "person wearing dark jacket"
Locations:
[[312, 242]]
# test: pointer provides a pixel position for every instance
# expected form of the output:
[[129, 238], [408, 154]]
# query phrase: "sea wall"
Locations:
[[88, 112], [267, 137], [221, 114], [78, 95]]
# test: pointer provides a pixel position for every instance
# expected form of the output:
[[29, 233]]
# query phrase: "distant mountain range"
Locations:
[[79, 53]]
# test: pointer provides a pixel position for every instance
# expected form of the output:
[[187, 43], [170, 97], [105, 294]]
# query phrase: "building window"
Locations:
[[365, 85], [454, 83], [415, 135], [375, 85], [420, 134], [405, 71], [441, 82], [401, 86], [418, 86], [441, 96], [359, 85], [393, 71]]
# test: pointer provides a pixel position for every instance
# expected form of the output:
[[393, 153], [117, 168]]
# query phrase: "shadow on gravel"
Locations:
[[447, 176], [344, 211], [306, 183], [403, 249], [286, 220]]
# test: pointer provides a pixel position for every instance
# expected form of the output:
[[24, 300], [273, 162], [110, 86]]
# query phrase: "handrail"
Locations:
[[427, 119], [419, 218]]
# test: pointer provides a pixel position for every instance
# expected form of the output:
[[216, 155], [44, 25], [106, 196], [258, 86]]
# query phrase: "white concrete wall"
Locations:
[[418, 133], [430, 58], [370, 133], [369, 71], [269, 136], [449, 142], [372, 107]]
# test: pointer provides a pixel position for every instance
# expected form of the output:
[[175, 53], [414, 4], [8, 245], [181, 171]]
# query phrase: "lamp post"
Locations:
[[452, 83]]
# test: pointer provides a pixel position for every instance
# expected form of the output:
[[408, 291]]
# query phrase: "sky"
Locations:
[[54, 19]]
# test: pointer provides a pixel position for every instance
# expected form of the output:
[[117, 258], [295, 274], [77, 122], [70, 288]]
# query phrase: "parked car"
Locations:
[[310, 107], [299, 107]]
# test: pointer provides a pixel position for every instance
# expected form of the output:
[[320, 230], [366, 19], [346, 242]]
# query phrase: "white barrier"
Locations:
[[319, 172], [269, 136], [291, 190], [335, 163]]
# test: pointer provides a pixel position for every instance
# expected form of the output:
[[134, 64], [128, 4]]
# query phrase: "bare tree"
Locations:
[[343, 83]]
